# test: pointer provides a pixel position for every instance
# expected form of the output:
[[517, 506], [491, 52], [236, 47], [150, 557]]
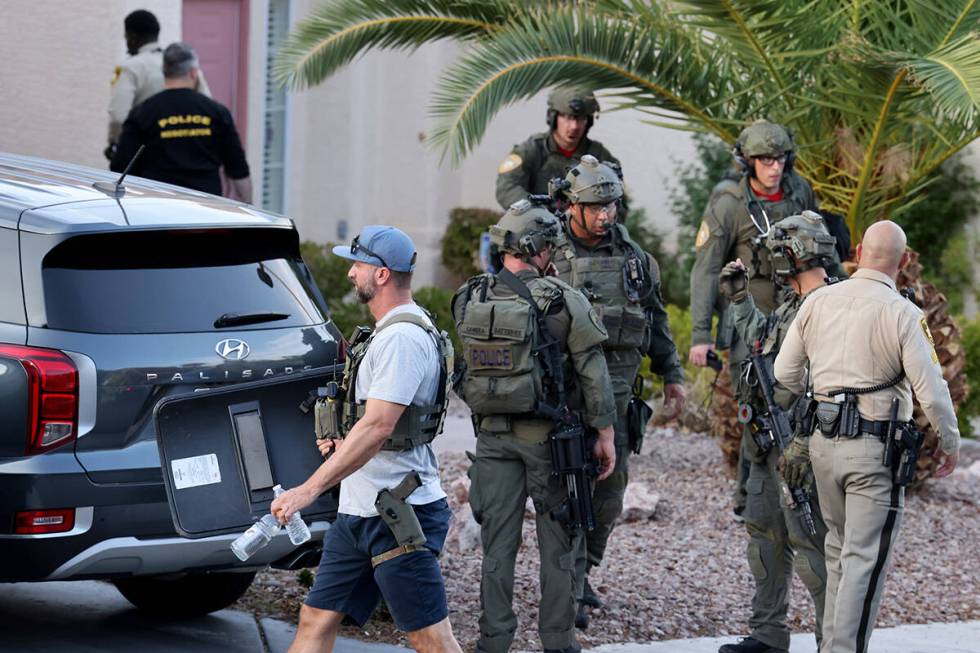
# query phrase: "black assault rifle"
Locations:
[[571, 446], [772, 427]]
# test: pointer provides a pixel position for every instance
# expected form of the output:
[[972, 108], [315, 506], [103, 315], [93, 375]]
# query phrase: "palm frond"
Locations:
[[670, 69], [951, 76], [336, 33]]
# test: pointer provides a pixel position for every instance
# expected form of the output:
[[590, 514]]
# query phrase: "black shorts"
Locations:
[[411, 583]]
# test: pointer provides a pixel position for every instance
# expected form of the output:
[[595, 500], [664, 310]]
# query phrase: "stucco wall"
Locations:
[[59, 58]]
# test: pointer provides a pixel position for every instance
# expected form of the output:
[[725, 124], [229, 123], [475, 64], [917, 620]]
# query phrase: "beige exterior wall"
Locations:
[[59, 57]]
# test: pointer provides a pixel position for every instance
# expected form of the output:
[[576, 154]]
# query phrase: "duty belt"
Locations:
[[879, 429], [872, 427]]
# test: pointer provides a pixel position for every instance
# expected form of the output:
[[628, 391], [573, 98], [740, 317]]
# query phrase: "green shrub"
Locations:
[[438, 301], [329, 271], [970, 341], [330, 274], [461, 242]]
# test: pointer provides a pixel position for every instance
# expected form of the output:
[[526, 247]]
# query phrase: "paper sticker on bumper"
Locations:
[[195, 471]]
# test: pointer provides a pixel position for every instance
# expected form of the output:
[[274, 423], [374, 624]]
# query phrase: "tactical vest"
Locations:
[[616, 286], [418, 424], [545, 165], [751, 226], [503, 372]]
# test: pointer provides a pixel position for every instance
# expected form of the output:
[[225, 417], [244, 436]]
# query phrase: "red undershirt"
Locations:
[[775, 197], [565, 153]]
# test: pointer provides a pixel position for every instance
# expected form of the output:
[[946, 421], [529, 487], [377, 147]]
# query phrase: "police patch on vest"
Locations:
[[703, 234], [490, 357], [510, 163], [932, 343]]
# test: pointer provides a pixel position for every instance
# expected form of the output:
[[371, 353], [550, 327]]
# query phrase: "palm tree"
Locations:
[[879, 94]]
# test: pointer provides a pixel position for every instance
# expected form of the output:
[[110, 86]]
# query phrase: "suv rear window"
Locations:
[[179, 281]]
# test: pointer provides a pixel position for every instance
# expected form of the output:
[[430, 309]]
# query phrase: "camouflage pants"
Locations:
[[778, 544], [505, 472]]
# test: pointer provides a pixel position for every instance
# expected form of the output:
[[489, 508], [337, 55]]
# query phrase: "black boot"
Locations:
[[750, 645], [589, 597], [581, 617], [574, 648]]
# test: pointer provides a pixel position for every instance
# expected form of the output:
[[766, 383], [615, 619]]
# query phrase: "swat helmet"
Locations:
[[764, 138], [798, 243], [589, 182], [524, 230], [572, 101]]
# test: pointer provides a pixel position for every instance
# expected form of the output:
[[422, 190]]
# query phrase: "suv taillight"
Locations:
[[52, 396], [36, 522]]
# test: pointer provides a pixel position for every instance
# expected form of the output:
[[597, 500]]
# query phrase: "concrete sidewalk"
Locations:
[[962, 637]]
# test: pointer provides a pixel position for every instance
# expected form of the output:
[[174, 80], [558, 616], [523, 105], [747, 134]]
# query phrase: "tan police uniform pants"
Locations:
[[863, 511]]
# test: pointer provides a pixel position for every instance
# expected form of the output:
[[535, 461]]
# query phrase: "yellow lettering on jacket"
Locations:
[[185, 133], [189, 119]]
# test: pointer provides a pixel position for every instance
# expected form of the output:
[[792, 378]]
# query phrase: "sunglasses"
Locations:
[[356, 247]]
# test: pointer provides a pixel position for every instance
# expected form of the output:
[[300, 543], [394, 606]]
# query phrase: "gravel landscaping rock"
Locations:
[[683, 573]]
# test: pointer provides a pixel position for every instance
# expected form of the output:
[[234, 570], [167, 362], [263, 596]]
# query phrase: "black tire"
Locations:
[[185, 596]]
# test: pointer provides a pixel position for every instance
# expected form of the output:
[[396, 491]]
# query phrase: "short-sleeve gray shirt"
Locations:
[[401, 366]]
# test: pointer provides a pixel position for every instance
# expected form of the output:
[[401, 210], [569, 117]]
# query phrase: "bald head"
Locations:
[[883, 248]]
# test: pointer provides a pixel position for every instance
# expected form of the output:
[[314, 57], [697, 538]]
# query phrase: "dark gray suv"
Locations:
[[155, 344]]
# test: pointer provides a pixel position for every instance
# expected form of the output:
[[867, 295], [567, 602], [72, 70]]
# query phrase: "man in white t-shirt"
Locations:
[[396, 381]]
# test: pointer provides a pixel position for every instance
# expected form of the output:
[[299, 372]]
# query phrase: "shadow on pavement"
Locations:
[[86, 616]]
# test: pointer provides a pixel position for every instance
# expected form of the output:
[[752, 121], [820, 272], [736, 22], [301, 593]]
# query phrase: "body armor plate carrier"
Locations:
[[337, 410], [617, 286]]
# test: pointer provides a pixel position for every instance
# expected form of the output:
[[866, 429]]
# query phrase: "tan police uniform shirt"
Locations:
[[140, 77], [860, 333]]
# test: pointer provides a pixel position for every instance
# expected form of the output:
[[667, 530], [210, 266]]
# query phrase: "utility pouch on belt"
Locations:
[[806, 416], [828, 417], [398, 514], [850, 418]]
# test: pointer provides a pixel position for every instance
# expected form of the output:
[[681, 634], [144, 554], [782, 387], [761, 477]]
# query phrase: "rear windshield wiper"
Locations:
[[239, 319]]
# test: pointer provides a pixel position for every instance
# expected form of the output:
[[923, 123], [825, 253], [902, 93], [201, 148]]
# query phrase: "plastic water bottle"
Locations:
[[257, 536], [296, 528]]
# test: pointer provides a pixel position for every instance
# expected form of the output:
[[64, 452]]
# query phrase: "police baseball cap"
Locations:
[[381, 245]]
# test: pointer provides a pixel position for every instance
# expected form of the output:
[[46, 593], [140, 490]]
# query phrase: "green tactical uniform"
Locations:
[[728, 231], [637, 323], [503, 380], [635, 328], [778, 540], [774, 528], [532, 164]]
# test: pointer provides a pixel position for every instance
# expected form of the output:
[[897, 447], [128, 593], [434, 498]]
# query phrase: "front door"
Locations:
[[218, 32]]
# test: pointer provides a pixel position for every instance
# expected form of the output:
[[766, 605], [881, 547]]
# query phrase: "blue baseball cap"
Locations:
[[381, 245]]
